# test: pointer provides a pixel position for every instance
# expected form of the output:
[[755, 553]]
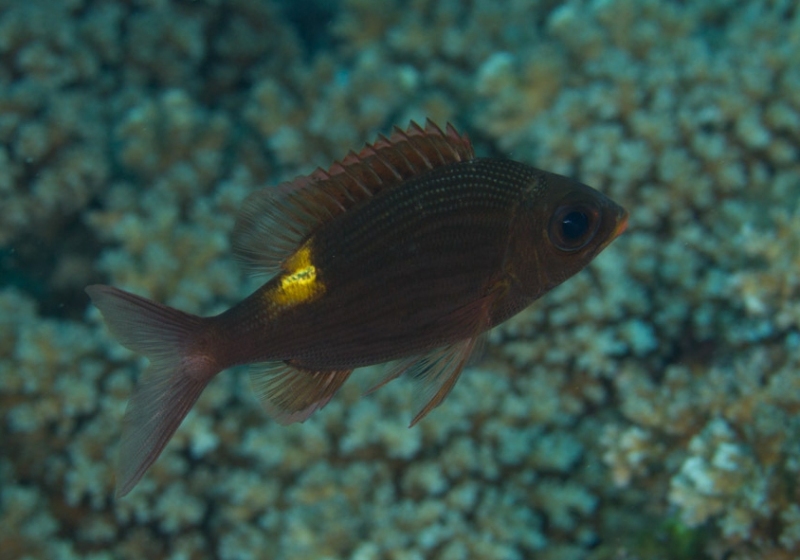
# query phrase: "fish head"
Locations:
[[567, 225]]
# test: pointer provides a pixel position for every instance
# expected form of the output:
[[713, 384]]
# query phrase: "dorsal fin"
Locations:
[[275, 221]]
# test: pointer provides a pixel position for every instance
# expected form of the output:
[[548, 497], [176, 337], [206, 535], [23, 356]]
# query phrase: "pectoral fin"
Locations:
[[434, 374]]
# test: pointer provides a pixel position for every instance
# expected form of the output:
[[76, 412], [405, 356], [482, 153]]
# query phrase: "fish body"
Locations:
[[407, 251]]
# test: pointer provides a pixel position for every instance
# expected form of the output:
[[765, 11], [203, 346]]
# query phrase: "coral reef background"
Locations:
[[646, 409]]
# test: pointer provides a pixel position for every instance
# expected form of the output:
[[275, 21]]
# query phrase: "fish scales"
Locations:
[[408, 251], [421, 251]]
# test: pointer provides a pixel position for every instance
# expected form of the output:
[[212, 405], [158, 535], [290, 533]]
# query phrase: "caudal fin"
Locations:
[[179, 371]]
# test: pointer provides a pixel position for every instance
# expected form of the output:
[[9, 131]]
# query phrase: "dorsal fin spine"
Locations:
[[432, 126], [357, 180], [319, 174], [333, 199], [417, 128], [382, 142], [446, 136], [389, 165], [274, 222], [442, 159], [411, 167], [422, 154], [413, 145], [455, 138], [342, 189], [369, 169]]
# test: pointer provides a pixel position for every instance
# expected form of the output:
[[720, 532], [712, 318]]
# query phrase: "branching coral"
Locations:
[[650, 400]]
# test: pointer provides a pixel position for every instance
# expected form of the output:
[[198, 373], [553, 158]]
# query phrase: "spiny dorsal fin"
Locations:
[[275, 221]]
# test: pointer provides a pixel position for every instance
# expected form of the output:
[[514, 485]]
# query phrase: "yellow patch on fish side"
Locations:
[[300, 282]]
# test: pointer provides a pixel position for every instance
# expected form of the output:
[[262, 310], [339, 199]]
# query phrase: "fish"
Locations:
[[406, 253]]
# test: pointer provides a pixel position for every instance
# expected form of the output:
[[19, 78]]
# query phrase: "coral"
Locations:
[[645, 409], [721, 479], [51, 134]]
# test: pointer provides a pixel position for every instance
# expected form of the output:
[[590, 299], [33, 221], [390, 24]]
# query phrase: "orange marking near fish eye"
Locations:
[[621, 226], [300, 283]]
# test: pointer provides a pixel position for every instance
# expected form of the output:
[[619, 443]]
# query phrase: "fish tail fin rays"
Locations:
[[170, 386], [290, 393]]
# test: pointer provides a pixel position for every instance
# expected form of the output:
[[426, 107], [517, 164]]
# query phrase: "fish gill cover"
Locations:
[[645, 409]]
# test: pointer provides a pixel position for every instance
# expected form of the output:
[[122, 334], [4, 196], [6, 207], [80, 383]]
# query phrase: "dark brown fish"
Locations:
[[408, 251]]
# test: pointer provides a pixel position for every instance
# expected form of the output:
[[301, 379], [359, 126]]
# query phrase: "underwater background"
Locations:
[[649, 408]]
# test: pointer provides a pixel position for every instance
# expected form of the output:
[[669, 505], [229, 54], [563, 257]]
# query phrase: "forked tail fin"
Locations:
[[180, 368]]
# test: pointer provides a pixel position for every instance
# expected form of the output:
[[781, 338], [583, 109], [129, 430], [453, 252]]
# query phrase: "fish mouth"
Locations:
[[622, 225], [619, 228]]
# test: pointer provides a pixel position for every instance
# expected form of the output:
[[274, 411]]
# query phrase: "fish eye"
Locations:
[[573, 226]]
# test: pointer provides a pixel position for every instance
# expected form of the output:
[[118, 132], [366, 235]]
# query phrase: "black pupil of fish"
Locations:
[[574, 225]]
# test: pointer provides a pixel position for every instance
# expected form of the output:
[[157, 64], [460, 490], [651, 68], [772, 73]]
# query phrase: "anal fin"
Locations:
[[290, 393]]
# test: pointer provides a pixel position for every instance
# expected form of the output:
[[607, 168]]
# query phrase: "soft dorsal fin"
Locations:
[[275, 221]]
